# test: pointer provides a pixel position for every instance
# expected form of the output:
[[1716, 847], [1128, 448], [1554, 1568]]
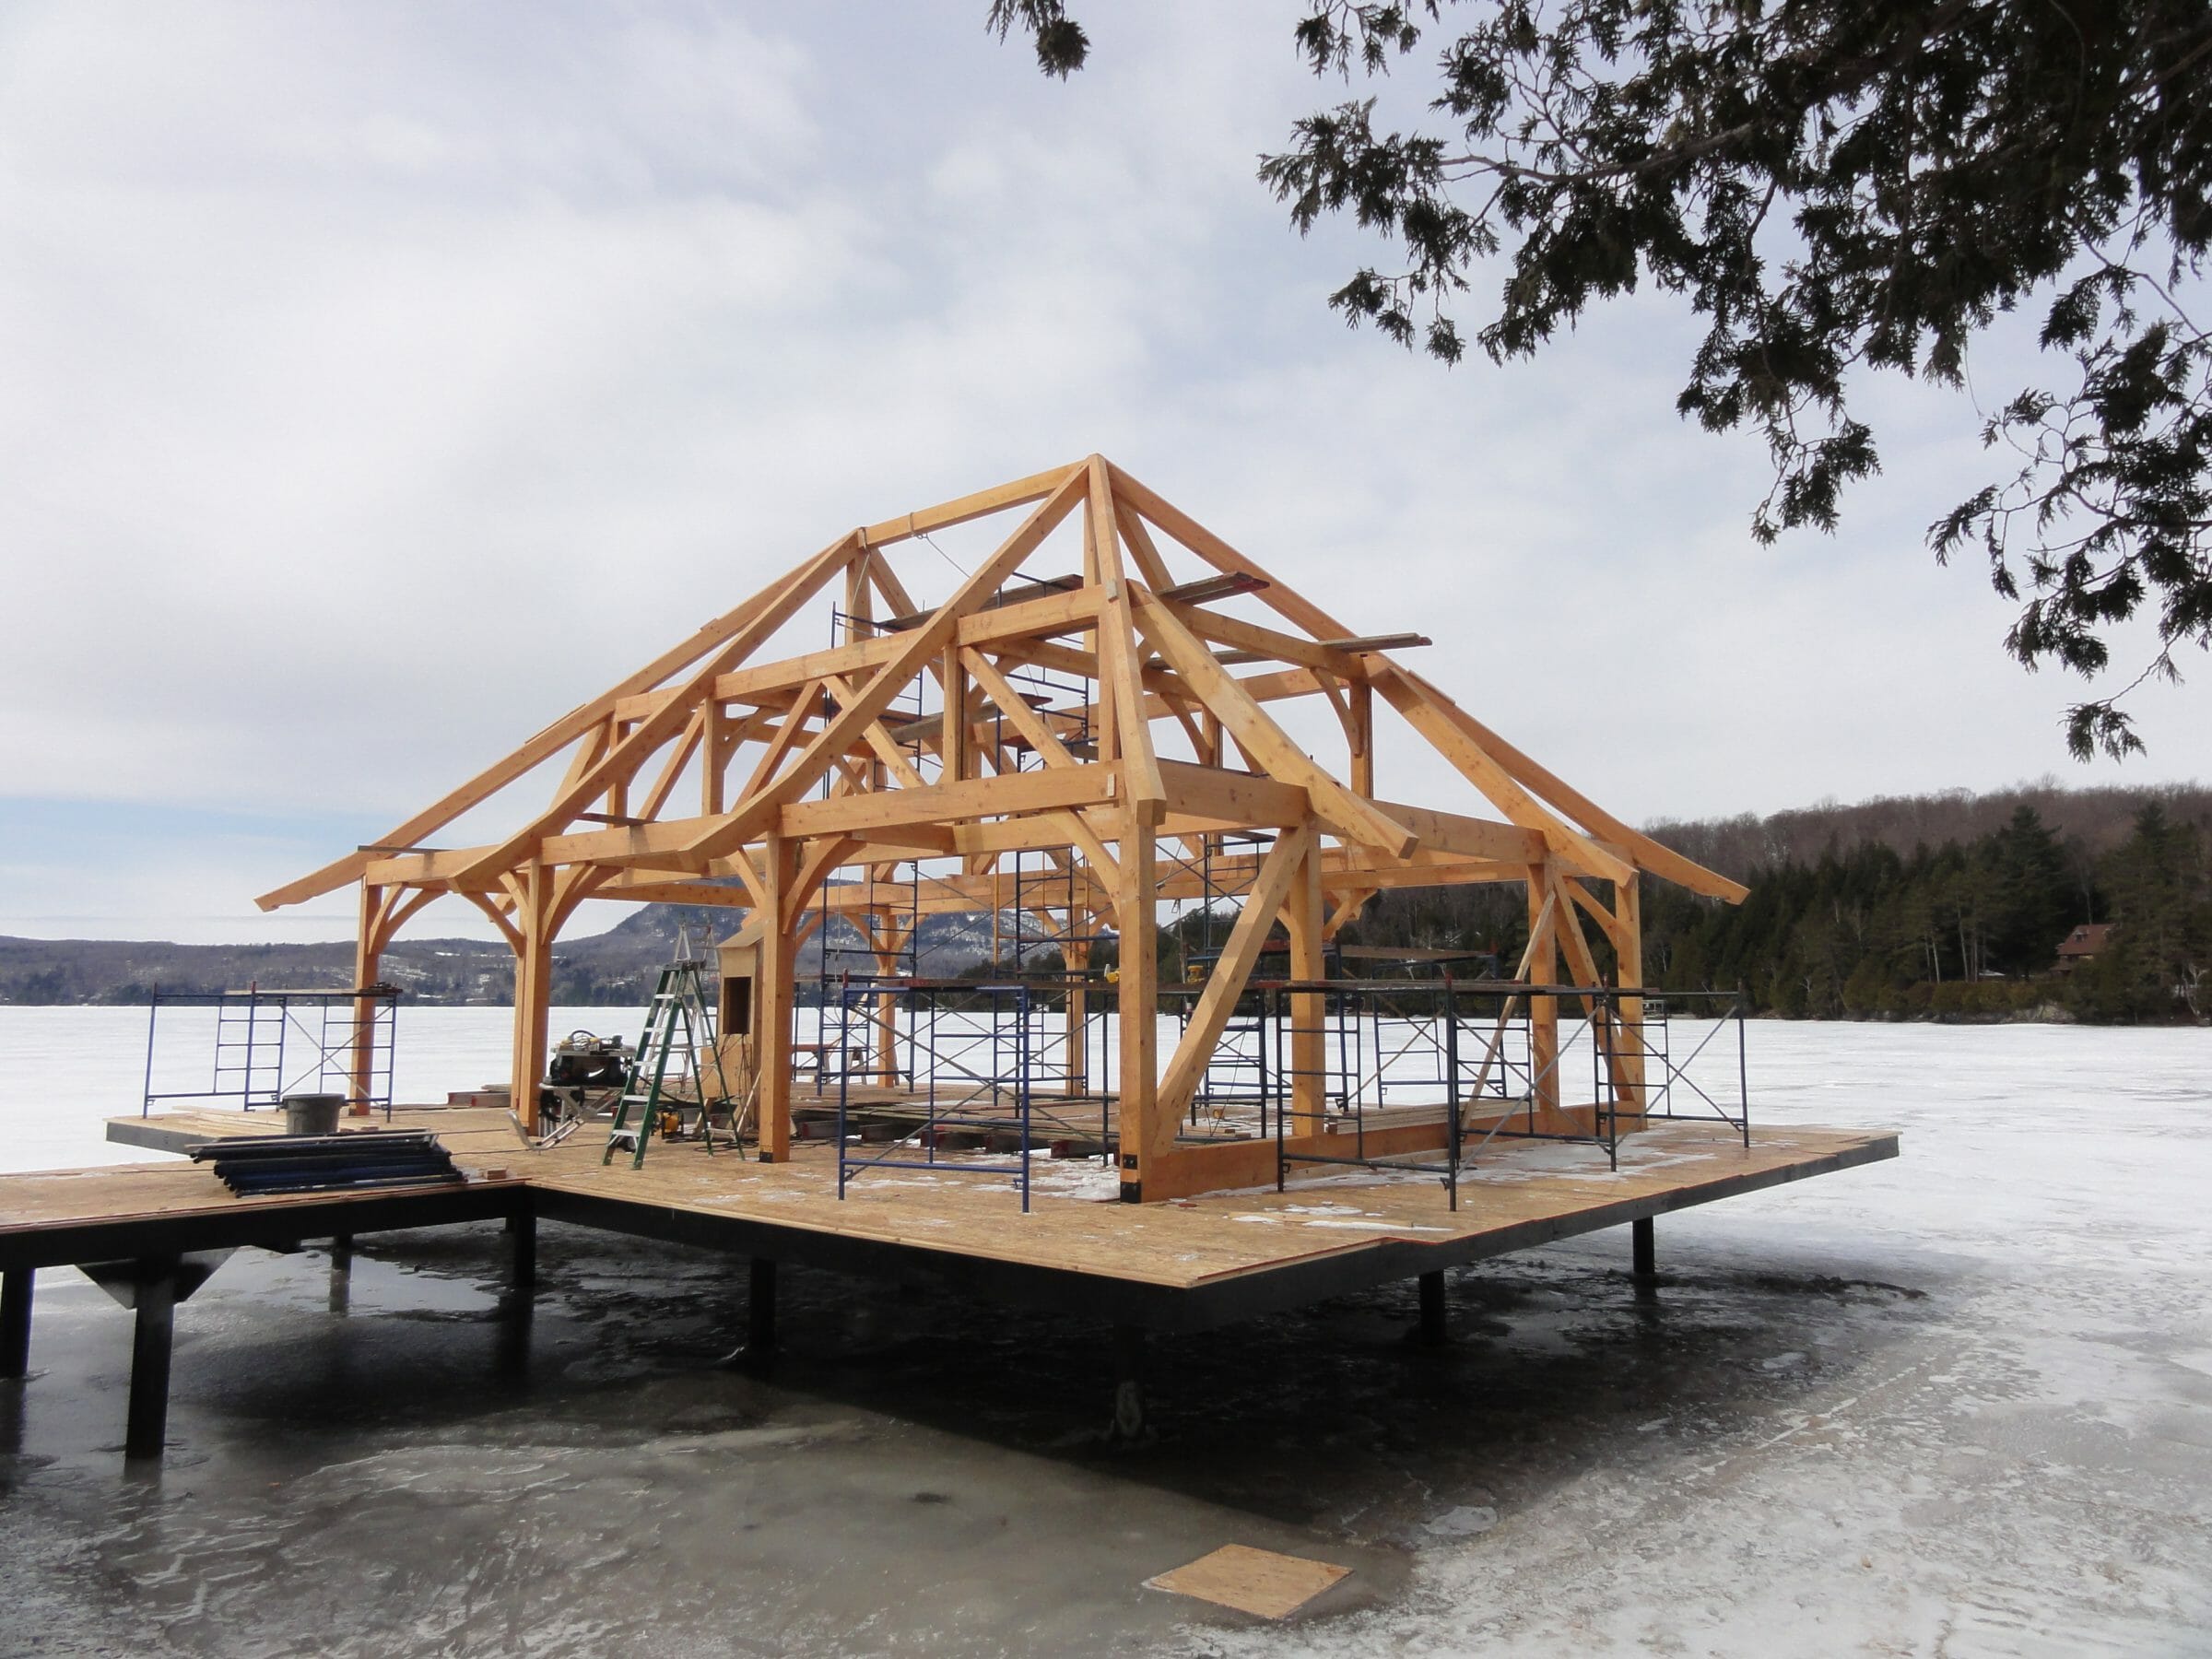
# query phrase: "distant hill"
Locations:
[[614, 968], [2099, 819]]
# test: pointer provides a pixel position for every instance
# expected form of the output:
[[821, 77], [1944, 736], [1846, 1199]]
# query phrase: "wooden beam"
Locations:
[[1029, 620], [981, 504], [775, 991], [821, 857], [1662, 861], [1309, 1009], [533, 890], [1025, 719], [917, 647], [1234, 800], [1117, 652], [1042, 791], [1348, 906], [654, 729], [1038, 586], [1146, 1131], [500, 919], [1354, 819], [1222, 557], [1540, 966], [876, 737], [1106, 868], [1418, 703], [1226, 984], [1268, 644], [577, 723]]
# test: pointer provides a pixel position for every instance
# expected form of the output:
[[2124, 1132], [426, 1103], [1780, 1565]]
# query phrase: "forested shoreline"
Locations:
[[1962, 920], [1942, 907]]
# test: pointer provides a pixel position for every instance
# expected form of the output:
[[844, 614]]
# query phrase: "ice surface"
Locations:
[[1959, 1403]]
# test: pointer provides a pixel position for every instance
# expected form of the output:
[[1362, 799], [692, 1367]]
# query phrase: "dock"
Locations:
[[1184, 1266]]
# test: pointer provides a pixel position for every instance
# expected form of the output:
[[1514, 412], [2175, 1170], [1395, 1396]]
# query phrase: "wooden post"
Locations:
[[1543, 1011], [532, 991], [1361, 697], [1076, 956], [1143, 1134], [891, 943], [618, 786], [1627, 950], [367, 964], [712, 758], [771, 1041], [952, 741], [1303, 916]]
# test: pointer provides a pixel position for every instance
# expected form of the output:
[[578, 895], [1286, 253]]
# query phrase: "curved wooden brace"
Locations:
[[500, 919]]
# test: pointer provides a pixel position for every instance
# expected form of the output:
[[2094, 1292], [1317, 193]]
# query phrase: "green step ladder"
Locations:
[[679, 1020]]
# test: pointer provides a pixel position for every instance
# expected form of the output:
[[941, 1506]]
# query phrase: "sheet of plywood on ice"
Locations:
[[1252, 1580]]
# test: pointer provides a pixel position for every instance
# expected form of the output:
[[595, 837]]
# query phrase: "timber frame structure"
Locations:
[[795, 789]]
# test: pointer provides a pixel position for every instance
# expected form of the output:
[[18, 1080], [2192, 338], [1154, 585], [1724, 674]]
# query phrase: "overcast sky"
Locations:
[[378, 381]]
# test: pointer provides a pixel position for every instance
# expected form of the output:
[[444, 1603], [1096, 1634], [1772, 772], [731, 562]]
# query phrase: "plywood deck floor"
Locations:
[[1518, 1195]]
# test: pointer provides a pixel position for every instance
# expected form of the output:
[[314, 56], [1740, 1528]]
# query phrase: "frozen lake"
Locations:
[[1961, 1403]]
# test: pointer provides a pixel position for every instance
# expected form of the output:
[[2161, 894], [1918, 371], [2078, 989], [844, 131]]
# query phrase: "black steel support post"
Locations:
[[1129, 1403], [760, 1312], [1433, 1329], [1644, 1250], [522, 1228], [341, 1273], [151, 1340], [15, 1321]]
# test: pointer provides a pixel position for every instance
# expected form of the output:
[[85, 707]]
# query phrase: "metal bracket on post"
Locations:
[[152, 1287]]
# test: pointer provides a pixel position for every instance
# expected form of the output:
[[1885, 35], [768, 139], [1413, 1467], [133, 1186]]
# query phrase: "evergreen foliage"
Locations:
[[1965, 929], [1837, 186]]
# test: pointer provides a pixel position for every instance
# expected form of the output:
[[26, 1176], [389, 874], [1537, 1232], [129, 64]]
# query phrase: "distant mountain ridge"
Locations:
[[612, 968]]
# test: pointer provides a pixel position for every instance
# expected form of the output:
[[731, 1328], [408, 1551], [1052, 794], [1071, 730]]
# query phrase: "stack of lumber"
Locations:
[[366, 1160]]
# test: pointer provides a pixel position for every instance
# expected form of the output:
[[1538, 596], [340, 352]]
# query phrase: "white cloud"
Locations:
[[379, 382]]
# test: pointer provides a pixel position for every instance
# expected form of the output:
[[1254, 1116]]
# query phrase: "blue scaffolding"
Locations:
[[973, 1054], [269, 1044]]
